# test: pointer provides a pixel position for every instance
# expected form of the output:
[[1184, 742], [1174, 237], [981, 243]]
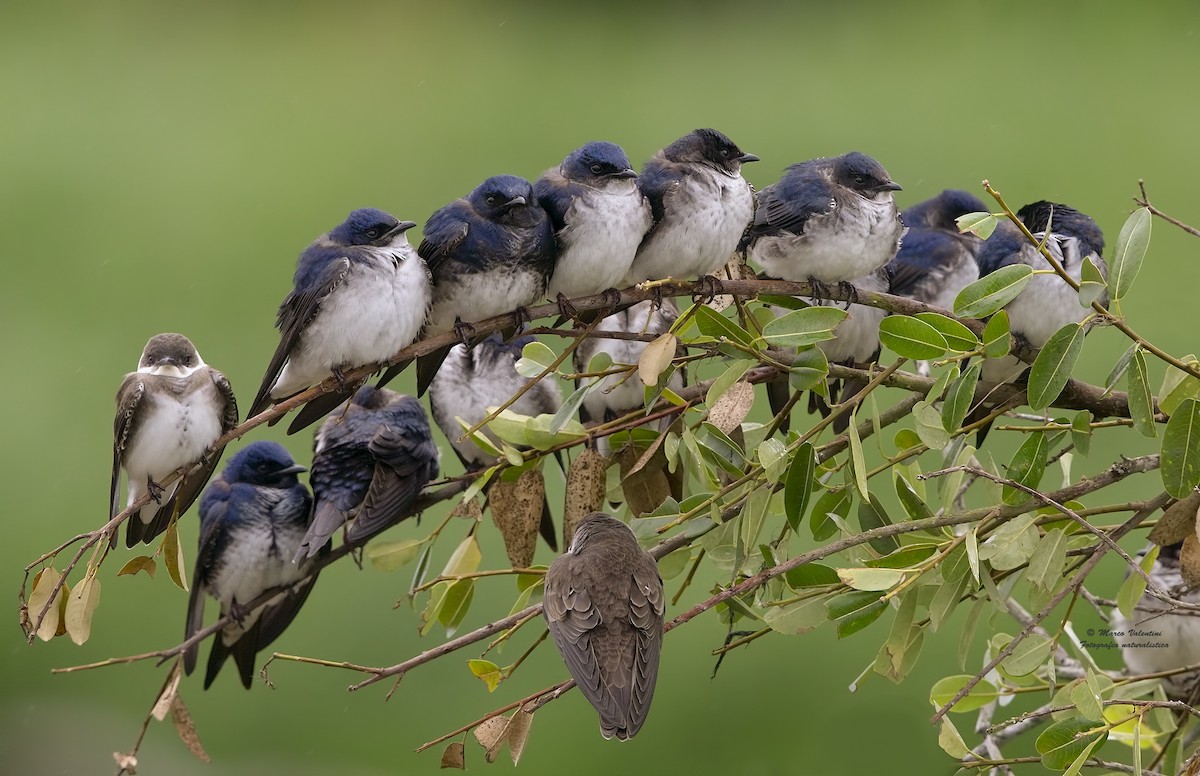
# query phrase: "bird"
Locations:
[[1158, 638], [473, 380], [936, 261], [1047, 303], [360, 294], [490, 253], [855, 342], [370, 463], [599, 216], [616, 395], [604, 608], [827, 220], [252, 518], [170, 412], [700, 203]]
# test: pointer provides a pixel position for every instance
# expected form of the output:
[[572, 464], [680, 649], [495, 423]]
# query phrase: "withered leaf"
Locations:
[[491, 734], [172, 553], [166, 698], [517, 510], [187, 729], [80, 606], [455, 756], [518, 733], [728, 412], [656, 358], [1177, 522], [584, 490], [126, 762], [648, 487], [140, 563]]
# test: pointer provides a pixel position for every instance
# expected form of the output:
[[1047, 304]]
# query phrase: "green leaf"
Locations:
[[1047, 562], [1119, 368], [1032, 652], [1134, 585], [991, 292], [871, 514], [799, 484], [996, 338], [854, 611], [808, 369], [772, 456], [803, 327], [712, 323], [945, 689], [959, 398], [980, 224], [1178, 385], [929, 425], [832, 502], [945, 599], [1087, 700], [566, 413], [1091, 284], [1011, 544], [906, 557], [389, 556], [811, 575], [958, 338], [796, 618], [1081, 431], [1027, 466], [536, 357], [1132, 243], [870, 579], [726, 379], [486, 670], [1181, 449], [857, 461], [1064, 741], [910, 500], [911, 337], [1054, 364], [950, 740], [456, 604], [1141, 402]]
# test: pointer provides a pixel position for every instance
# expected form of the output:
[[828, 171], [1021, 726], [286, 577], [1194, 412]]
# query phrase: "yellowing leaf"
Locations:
[[488, 671], [656, 358], [389, 556], [140, 563], [870, 579], [43, 585], [81, 604], [172, 554]]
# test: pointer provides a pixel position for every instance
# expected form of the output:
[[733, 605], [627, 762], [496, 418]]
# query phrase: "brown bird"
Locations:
[[604, 608]]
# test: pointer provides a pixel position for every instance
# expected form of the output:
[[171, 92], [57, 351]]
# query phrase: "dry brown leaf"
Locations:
[[187, 729], [491, 734], [455, 756], [126, 762], [166, 698], [584, 490], [1189, 561], [656, 358], [732, 407], [469, 510], [648, 487], [518, 732], [81, 605], [517, 511], [1177, 521]]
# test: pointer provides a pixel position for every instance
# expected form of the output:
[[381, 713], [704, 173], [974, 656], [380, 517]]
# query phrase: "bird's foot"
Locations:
[[851, 292], [568, 310], [237, 612], [710, 289], [524, 317], [612, 297], [820, 290], [464, 331], [156, 491], [340, 377]]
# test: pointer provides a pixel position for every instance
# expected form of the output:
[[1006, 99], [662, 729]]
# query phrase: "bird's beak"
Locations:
[[293, 469], [890, 186], [516, 201], [747, 158], [403, 227], [167, 361], [626, 173]]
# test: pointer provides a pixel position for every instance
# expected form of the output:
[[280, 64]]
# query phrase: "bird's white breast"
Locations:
[[602, 234], [479, 295]]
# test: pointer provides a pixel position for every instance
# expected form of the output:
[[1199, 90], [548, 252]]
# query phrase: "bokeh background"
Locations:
[[163, 164]]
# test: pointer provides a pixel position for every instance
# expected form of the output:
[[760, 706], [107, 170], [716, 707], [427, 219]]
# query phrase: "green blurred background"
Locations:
[[164, 164]]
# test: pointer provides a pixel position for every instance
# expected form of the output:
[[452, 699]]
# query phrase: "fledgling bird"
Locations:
[[1156, 638], [700, 203], [617, 395], [604, 607], [169, 414], [490, 253], [252, 518], [471, 381], [599, 216], [370, 464], [827, 220], [359, 295], [936, 261]]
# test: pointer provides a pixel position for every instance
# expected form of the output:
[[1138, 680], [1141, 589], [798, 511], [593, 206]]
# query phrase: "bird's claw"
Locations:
[[819, 290], [464, 331], [237, 612], [155, 490], [567, 309], [710, 288], [851, 292], [340, 377]]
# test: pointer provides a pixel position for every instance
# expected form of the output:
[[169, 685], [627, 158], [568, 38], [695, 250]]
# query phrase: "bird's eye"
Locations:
[[491, 200], [725, 152], [373, 233], [859, 179], [597, 169]]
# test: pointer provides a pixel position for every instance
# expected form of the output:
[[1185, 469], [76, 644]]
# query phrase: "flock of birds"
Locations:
[[362, 293]]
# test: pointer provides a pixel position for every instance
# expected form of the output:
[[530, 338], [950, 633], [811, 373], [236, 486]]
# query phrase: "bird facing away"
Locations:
[[617, 395], [370, 464], [360, 294], [490, 253], [827, 220], [599, 217], [936, 260], [700, 203], [169, 414], [604, 608], [252, 518], [1171, 638]]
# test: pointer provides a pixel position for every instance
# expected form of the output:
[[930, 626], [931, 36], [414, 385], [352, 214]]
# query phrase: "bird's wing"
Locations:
[[405, 462], [129, 398], [212, 515], [295, 313], [340, 476], [1004, 247], [922, 251], [571, 616], [555, 194], [658, 183], [788, 205], [646, 607], [444, 232]]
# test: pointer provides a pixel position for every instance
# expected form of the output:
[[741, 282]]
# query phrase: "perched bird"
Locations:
[[370, 464], [471, 381], [855, 343], [360, 294], [252, 518], [701, 204], [599, 216], [1159, 638], [169, 414], [490, 253], [936, 260], [827, 220], [617, 395], [604, 608]]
